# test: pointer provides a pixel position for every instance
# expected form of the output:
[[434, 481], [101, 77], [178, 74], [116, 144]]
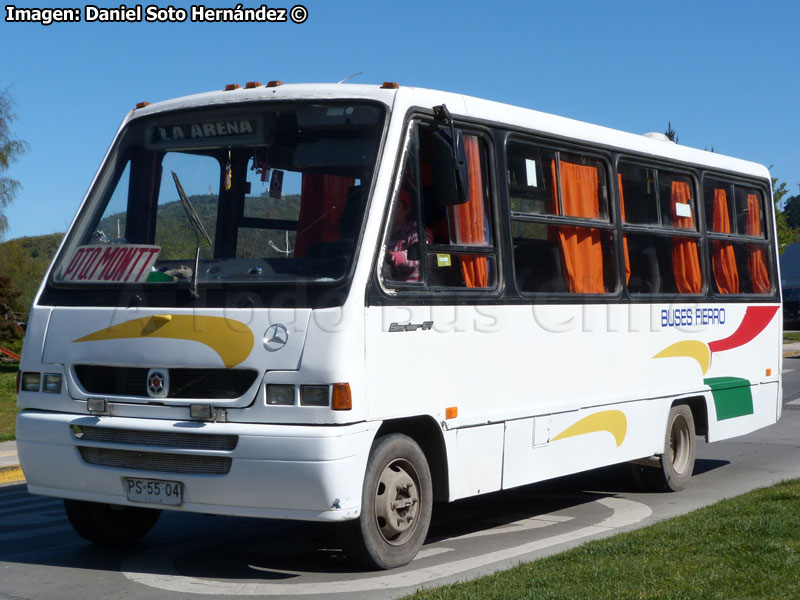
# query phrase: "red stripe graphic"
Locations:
[[756, 318]]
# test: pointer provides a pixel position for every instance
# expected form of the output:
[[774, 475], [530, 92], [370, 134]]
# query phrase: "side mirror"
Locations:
[[449, 167]]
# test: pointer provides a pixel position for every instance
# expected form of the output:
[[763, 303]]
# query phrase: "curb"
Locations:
[[12, 474], [791, 354]]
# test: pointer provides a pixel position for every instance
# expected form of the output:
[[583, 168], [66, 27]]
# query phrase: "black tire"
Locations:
[[396, 505], [110, 523], [675, 467]]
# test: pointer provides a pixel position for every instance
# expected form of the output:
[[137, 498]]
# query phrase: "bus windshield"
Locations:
[[266, 194]]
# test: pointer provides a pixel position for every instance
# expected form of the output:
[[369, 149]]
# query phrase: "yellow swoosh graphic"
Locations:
[[231, 340], [613, 421], [689, 349]]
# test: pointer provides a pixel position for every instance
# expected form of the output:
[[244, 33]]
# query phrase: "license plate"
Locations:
[[154, 491]]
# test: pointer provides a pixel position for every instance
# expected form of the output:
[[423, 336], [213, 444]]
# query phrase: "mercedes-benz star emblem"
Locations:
[[158, 383], [276, 337]]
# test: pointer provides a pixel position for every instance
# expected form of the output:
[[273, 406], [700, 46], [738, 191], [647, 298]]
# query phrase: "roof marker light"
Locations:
[[142, 104], [390, 85], [232, 86], [274, 83], [252, 84]]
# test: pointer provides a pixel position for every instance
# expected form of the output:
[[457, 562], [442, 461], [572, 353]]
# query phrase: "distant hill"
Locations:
[[24, 260]]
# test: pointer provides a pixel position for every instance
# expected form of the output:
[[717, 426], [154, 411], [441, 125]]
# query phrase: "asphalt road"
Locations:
[[208, 556]]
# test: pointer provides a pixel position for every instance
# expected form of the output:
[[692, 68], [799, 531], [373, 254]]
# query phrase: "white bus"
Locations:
[[341, 303]]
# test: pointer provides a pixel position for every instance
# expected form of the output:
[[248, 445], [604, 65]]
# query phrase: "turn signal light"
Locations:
[[342, 397], [451, 412]]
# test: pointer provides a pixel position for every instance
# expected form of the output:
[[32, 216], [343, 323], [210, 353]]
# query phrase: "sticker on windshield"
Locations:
[[128, 263]]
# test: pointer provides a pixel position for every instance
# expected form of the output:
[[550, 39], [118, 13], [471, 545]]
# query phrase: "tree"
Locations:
[[670, 133], [791, 209], [10, 151], [785, 233]]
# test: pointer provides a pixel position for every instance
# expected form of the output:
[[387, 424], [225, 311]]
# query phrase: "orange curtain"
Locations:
[[685, 259], [470, 219], [756, 261], [581, 247], [724, 259], [322, 199], [624, 239]]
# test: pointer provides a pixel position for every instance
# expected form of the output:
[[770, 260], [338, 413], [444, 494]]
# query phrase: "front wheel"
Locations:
[[110, 523], [396, 505]]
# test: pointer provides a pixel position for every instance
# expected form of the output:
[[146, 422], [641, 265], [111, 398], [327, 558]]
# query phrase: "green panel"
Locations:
[[732, 396]]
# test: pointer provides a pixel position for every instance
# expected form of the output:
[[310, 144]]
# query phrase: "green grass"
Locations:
[[8, 401], [791, 336], [746, 547]]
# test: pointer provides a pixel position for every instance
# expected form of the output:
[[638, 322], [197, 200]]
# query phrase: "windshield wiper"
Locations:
[[198, 228]]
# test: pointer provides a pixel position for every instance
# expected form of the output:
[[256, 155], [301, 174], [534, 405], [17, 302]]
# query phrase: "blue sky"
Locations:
[[724, 73]]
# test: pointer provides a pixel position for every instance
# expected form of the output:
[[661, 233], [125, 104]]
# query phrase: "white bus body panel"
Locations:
[[542, 370]]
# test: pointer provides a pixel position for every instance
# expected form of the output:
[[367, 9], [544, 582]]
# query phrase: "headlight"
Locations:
[[52, 383], [31, 382], [314, 395], [280, 395]]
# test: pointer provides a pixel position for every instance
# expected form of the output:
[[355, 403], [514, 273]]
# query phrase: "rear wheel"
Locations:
[[675, 465], [396, 505], [110, 523]]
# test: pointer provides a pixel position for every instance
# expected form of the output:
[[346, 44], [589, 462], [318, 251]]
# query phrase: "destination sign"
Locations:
[[128, 263], [239, 130]]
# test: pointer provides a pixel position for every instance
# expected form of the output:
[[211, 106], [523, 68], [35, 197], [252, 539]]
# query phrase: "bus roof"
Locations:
[[404, 98]]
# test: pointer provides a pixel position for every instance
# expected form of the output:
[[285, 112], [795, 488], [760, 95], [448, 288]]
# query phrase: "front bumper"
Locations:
[[312, 473]]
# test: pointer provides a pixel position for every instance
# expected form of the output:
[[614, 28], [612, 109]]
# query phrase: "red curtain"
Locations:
[[581, 247], [470, 219], [723, 257], [756, 260], [322, 199], [685, 259]]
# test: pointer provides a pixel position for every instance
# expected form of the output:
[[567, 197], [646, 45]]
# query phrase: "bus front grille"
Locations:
[[156, 461], [165, 439], [207, 384]]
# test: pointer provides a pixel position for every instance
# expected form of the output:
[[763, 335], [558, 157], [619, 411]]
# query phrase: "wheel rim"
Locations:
[[679, 444], [397, 502]]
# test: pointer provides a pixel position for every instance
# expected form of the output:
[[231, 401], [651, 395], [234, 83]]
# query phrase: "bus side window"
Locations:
[[665, 259], [549, 255], [462, 253], [402, 262], [441, 246], [739, 249]]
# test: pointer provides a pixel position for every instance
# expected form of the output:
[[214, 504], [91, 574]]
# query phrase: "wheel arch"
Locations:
[[425, 431], [699, 407]]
